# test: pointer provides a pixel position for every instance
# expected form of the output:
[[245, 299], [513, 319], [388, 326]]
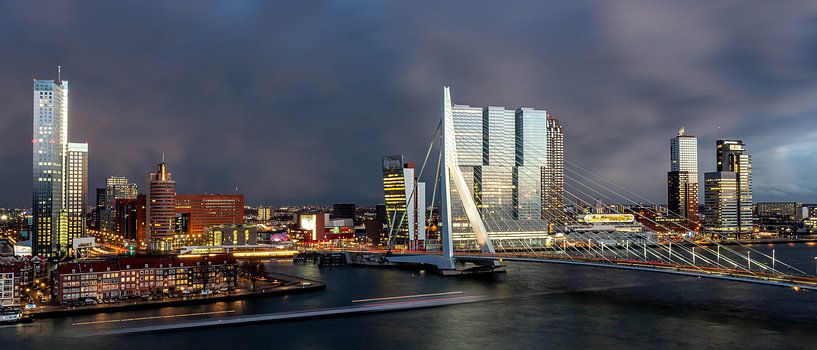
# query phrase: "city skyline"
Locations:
[[110, 103]]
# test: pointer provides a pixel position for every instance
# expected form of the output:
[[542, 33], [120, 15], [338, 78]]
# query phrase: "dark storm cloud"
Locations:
[[295, 102]]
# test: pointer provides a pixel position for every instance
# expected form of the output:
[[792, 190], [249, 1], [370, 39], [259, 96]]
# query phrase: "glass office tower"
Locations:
[[513, 160], [728, 192], [682, 180]]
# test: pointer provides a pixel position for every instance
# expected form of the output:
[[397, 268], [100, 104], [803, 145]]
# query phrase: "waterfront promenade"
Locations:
[[288, 285]]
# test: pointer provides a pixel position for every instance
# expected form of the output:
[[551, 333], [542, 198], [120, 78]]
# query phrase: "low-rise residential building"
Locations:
[[9, 285], [120, 278], [16, 273]]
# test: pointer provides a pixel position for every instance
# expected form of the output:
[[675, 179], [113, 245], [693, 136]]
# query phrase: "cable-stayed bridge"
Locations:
[[490, 212]]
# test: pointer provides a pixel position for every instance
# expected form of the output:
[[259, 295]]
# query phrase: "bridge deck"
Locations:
[[796, 282]]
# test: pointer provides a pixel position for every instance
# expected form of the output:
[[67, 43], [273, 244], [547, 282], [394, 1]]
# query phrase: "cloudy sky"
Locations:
[[294, 102]]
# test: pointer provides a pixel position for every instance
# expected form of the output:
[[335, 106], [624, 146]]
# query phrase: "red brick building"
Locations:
[[194, 213], [126, 277]]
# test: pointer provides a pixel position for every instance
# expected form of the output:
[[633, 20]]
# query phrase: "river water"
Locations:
[[531, 306]]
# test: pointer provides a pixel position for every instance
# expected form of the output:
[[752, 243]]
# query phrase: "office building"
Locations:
[[194, 213], [221, 235], [721, 202], [728, 191], [513, 160], [125, 218], [682, 179], [116, 187], [779, 211], [405, 203], [264, 213], [161, 209], [99, 208]]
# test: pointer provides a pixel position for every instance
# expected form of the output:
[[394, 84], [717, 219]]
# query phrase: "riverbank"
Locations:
[[292, 285]]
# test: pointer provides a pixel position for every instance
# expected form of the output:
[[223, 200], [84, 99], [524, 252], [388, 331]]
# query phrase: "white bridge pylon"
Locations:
[[450, 173]]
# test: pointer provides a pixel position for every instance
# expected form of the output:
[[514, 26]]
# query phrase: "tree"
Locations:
[[253, 270]]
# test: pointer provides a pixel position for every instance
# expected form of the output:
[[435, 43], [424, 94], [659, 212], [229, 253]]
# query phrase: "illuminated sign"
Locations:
[[21, 250], [84, 242], [308, 222], [608, 218], [391, 163]]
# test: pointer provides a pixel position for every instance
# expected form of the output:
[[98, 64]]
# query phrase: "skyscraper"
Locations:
[[682, 179], [50, 145], [76, 193], [405, 203], [99, 209], [116, 187], [161, 209], [728, 191], [512, 162], [553, 179]]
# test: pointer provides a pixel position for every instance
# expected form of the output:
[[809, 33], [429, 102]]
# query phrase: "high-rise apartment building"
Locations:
[[76, 193], [161, 209], [728, 191], [513, 160], [405, 203], [58, 172], [553, 179], [682, 179], [50, 142]]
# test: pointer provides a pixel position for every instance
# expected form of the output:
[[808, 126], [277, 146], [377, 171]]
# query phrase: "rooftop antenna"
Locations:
[[163, 157], [59, 73]]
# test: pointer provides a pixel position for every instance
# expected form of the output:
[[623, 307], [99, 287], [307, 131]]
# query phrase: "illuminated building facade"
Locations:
[[682, 180], [731, 191], [116, 187], [311, 227], [221, 235], [60, 172], [721, 203], [161, 209], [195, 212], [117, 278], [553, 179], [264, 213], [76, 193], [513, 163], [405, 203], [50, 142]]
